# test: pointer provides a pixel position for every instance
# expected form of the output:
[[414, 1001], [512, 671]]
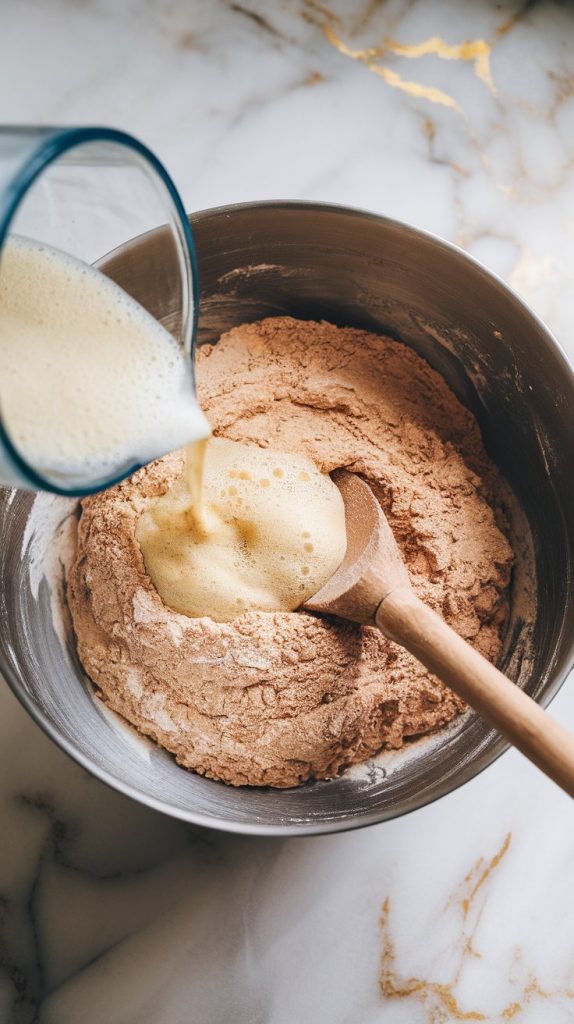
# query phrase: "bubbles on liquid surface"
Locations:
[[259, 543], [124, 388]]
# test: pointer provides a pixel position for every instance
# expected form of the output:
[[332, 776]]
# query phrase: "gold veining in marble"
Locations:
[[427, 92], [475, 51], [392, 78], [429, 128], [511, 1010], [484, 873], [519, 185], [513, 19], [439, 999], [314, 78]]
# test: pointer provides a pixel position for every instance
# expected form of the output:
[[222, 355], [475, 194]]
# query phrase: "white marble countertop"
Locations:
[[457, 117]]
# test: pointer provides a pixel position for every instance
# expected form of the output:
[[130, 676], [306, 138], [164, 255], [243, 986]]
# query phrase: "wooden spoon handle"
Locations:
[[404, 618]]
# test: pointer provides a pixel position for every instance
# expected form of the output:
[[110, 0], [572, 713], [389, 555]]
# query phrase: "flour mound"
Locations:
[[279, 698]]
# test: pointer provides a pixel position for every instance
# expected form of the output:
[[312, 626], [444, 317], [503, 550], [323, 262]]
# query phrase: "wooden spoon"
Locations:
[[372, 586]]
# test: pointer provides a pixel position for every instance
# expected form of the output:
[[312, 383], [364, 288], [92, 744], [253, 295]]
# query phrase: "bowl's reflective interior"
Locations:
[[327, 263]]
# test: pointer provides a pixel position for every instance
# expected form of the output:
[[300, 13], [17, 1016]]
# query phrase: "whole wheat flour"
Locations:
[[279, 698]]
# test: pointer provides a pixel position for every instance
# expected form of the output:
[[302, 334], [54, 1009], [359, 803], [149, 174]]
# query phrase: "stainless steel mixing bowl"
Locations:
[[315, 261]]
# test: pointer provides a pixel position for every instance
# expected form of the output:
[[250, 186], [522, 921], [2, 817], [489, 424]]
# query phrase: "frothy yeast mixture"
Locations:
[[90, 383], [256, 530]]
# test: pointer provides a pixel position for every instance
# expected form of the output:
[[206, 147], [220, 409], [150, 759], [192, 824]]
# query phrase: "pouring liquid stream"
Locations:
[[194, 474], [92, 387], [244, 528]]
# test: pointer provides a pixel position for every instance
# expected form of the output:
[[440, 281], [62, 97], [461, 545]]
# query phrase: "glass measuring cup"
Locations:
[[85, 191]]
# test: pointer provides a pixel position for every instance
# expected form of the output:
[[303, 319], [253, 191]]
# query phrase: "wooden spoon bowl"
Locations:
[[372, 586]]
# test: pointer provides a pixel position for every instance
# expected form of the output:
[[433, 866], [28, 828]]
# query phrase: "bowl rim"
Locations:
[[469, 771]]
